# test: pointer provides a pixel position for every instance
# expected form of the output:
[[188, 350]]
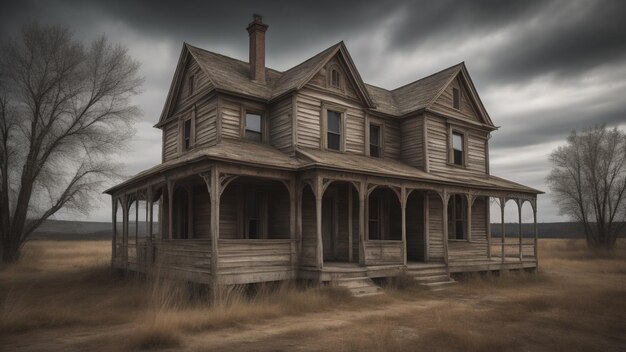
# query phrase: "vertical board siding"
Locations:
[[435, 228], [206, 123], [280, 125], [412, 150], [438, 144], [170, 140]]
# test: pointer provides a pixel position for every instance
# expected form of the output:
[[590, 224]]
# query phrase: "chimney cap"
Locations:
[[257, 24]]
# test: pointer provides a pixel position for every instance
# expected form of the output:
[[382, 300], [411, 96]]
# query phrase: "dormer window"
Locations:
[[458, 148], [191, 85], [254, 129], [456, 98], [187, 134], [335, 78]]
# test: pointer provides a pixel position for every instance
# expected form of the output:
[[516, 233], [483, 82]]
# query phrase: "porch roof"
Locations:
[[246, 152]]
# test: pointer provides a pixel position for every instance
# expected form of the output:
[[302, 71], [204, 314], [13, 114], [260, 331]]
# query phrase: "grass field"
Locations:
[[61, 297]]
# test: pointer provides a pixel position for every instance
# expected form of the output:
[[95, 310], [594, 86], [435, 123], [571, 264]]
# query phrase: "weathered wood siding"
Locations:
[[183, 259], [246, 261], [231, 118], [201, 84], [170, 140], [229, 214], [309, 107], [435, 228], [476, 248], [383, 252], [392, 139], [444, 103], [321, 79], [438, 149], [280, 129], [412, 149], [206, 122]]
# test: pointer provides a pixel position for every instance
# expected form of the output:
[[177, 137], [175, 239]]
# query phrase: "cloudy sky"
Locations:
[[542, 68]]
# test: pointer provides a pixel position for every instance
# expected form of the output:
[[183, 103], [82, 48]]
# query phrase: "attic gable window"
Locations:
[[333, 130], [253, 127], [456, 98], [458, 147], [335, 78], [191, 85]]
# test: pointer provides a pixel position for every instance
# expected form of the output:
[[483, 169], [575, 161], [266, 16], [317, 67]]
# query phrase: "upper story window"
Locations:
[[253, 129], [335, 78], [375, 140], [456, 98], [191, 85], [458, 148], [187, 134], [333, 130], [457, 217]]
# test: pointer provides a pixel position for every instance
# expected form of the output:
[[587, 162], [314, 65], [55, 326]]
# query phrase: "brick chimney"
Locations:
[[257, 29]]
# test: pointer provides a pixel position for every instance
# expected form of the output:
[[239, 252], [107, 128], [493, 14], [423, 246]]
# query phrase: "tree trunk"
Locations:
[[11, 251]]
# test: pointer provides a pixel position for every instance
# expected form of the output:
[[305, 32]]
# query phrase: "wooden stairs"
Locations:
[[434, 277]]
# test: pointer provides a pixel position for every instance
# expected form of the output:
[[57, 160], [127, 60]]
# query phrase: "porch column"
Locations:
[[125, 229], [190, 229], [362, 199], [114, 216], [536, 232], [292, 224], [403, 207], [444, 219], [150, 215], [170, 209], [215, 194], [488, 224], [319, 254], [470, 200], [520, 203], [502, 205], [350, 229]]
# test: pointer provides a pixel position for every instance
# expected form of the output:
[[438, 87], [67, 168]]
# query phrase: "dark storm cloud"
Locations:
[[542, 68]]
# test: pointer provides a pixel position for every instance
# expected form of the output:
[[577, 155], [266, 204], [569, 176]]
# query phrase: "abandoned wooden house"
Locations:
[[313, 174]]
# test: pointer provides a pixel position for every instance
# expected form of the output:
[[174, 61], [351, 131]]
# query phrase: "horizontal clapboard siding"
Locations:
[[244, 261], [231, 118], [170, 140], [183, 259], [444, 103], [281, 125], [383, 252], [206, 126], [412, 149]]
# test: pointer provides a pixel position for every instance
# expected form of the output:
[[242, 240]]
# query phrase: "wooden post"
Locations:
[[470, 200], [350, 231], [170, 209], [488, 224], [150, 214], [215, 193], [444, 219], [190, 228], [502, 205], [362, 200], [536, 233], [292, 188], [520, 203], [319, 251], [403, 207], [426, 226], [125, 230], [299, 195], [114, 237]]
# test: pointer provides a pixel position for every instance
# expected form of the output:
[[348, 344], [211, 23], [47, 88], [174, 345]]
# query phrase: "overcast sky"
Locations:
[[542, 68]]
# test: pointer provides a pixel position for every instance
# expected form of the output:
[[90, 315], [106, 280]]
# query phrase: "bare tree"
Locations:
[[64, 111], [588, 182]]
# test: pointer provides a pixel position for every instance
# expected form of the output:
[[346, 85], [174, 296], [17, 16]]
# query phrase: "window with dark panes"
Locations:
[[334, 78], [458, 145], [253, 127], [374, 217], [333, 129], [456, 98], [187, 133], [457, 217], [253, 215], [375, 140]]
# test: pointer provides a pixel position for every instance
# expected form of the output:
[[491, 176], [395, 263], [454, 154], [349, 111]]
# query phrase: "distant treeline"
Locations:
[[87, 230], [545, 230]]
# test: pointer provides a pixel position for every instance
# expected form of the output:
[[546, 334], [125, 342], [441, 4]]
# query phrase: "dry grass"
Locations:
[[62, 297]]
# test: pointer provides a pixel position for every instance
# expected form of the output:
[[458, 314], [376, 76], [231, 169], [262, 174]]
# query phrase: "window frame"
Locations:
[[464, 134], [245, 110], [456, 98], [191, 118], [324, 127], [454, 220], [340, 86], [381, 137]]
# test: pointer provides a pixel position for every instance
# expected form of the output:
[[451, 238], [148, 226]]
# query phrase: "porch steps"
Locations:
[[434, 278], [359, 286]]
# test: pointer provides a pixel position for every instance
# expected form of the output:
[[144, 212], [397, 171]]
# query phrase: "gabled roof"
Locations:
[[233, 76]]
